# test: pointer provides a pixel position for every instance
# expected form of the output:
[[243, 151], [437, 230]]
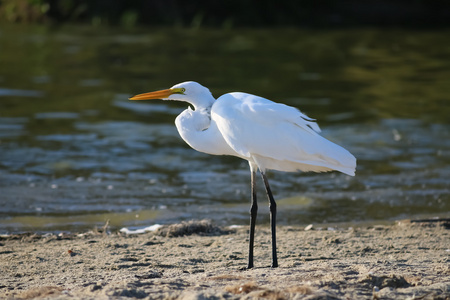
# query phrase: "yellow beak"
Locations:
[[154, 95]]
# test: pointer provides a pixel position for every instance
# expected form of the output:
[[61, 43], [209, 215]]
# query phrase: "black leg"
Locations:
[[253, 213], [273, 220]]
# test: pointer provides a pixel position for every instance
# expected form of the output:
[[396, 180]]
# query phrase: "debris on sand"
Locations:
[[202, 227]]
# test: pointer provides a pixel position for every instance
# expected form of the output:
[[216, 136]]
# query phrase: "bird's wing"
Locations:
[[257, 127], [268, 110]]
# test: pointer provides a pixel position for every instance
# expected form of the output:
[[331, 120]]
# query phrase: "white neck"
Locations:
[[202, 134], [202, 102]]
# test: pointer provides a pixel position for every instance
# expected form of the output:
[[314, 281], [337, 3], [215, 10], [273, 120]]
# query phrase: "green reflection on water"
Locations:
[[115, 220], [58, 88], [371, 73]]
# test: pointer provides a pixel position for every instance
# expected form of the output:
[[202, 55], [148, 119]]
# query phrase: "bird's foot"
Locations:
[[246, 268]]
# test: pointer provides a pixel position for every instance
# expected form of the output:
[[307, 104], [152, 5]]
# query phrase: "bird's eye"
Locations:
[[182, 90]]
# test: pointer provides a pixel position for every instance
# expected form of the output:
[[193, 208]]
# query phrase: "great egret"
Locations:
[[268, 135]]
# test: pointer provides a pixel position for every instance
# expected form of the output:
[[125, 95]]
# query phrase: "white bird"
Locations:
[[268, 135]]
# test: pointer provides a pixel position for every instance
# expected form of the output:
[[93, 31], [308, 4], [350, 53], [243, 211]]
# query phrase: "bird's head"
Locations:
[[189, 91]]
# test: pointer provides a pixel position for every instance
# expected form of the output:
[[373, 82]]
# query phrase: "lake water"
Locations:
[[74, 152]]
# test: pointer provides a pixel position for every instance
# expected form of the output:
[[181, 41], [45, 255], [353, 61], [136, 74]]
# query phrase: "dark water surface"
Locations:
[[75, 153]]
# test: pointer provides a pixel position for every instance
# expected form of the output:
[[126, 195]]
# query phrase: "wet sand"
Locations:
[[405, 260]]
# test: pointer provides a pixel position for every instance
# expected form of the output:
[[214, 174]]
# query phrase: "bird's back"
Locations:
[[276, 136]]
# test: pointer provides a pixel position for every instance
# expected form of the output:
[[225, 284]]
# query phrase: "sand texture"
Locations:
[[405, 260]]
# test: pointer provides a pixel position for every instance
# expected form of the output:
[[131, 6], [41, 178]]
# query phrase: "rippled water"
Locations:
[[75, 153]]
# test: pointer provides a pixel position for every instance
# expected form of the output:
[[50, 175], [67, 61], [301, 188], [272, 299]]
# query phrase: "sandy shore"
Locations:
[[400, 261]]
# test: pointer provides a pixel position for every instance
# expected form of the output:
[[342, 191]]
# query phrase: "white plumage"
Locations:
[[276, 136], [268, 135]]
